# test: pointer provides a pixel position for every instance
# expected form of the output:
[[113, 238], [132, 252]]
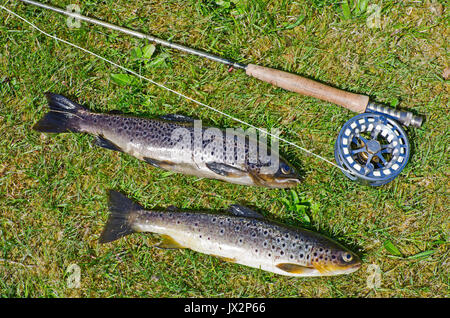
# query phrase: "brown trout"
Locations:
[[242, 237], [173, 143]]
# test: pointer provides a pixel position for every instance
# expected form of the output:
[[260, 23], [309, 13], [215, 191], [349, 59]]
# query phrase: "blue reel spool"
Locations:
[[372, 148]]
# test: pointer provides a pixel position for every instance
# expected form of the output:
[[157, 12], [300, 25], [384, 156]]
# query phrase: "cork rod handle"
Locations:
[[305, 86]]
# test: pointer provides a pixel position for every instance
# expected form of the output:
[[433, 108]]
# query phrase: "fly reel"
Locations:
[[372, 148]]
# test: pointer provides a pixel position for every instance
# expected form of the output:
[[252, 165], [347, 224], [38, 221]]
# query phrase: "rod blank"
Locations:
[[139, 35]]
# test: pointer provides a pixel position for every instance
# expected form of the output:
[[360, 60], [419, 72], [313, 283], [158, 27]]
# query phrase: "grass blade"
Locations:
[[391, 248]]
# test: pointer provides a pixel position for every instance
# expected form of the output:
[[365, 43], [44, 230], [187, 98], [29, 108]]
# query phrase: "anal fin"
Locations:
[[226, 259], [168, 242], [158, 163], [105, 143]]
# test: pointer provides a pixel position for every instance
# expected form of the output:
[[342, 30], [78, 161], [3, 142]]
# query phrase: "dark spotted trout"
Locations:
[[175, 143], [242, 236]]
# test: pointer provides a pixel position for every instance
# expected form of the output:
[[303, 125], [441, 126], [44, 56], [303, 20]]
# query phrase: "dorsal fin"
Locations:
[[177, 117], [240, 210]]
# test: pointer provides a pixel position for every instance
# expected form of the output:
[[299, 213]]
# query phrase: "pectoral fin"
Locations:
[[225, 170], [168, 242], [294, 268], [321, 268]]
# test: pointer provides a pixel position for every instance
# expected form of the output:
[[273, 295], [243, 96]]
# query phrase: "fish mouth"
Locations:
[[356, 266], [333, 269], [290, 183], [351, 268], [278, 183], [274, 181]]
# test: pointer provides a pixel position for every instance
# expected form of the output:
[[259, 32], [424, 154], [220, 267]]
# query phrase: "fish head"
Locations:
[[334, 260], [278, 175]]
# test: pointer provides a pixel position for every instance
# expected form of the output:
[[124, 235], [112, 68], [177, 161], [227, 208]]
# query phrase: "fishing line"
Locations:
[[171, 90]]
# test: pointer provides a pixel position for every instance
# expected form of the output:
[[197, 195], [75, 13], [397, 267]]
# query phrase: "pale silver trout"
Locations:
[[173, 143], [242, 237]]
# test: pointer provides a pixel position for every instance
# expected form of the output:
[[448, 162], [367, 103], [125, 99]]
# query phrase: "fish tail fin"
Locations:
[[63, 115], [120, 222]]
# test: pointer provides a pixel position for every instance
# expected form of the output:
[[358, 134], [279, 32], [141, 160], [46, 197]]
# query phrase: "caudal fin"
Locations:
[[63, 115], [120, 221]]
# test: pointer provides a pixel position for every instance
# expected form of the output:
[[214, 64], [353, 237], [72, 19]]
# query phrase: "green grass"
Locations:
[[53, 187]]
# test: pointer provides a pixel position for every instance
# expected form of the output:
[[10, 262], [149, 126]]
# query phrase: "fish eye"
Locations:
[[347, 257], [285, 169]]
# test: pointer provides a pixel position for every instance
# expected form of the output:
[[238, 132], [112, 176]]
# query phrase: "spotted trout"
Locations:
[[242, 236], [174, 143]]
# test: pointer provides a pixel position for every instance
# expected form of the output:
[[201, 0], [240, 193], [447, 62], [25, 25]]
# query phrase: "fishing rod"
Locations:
[[372, 147]]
